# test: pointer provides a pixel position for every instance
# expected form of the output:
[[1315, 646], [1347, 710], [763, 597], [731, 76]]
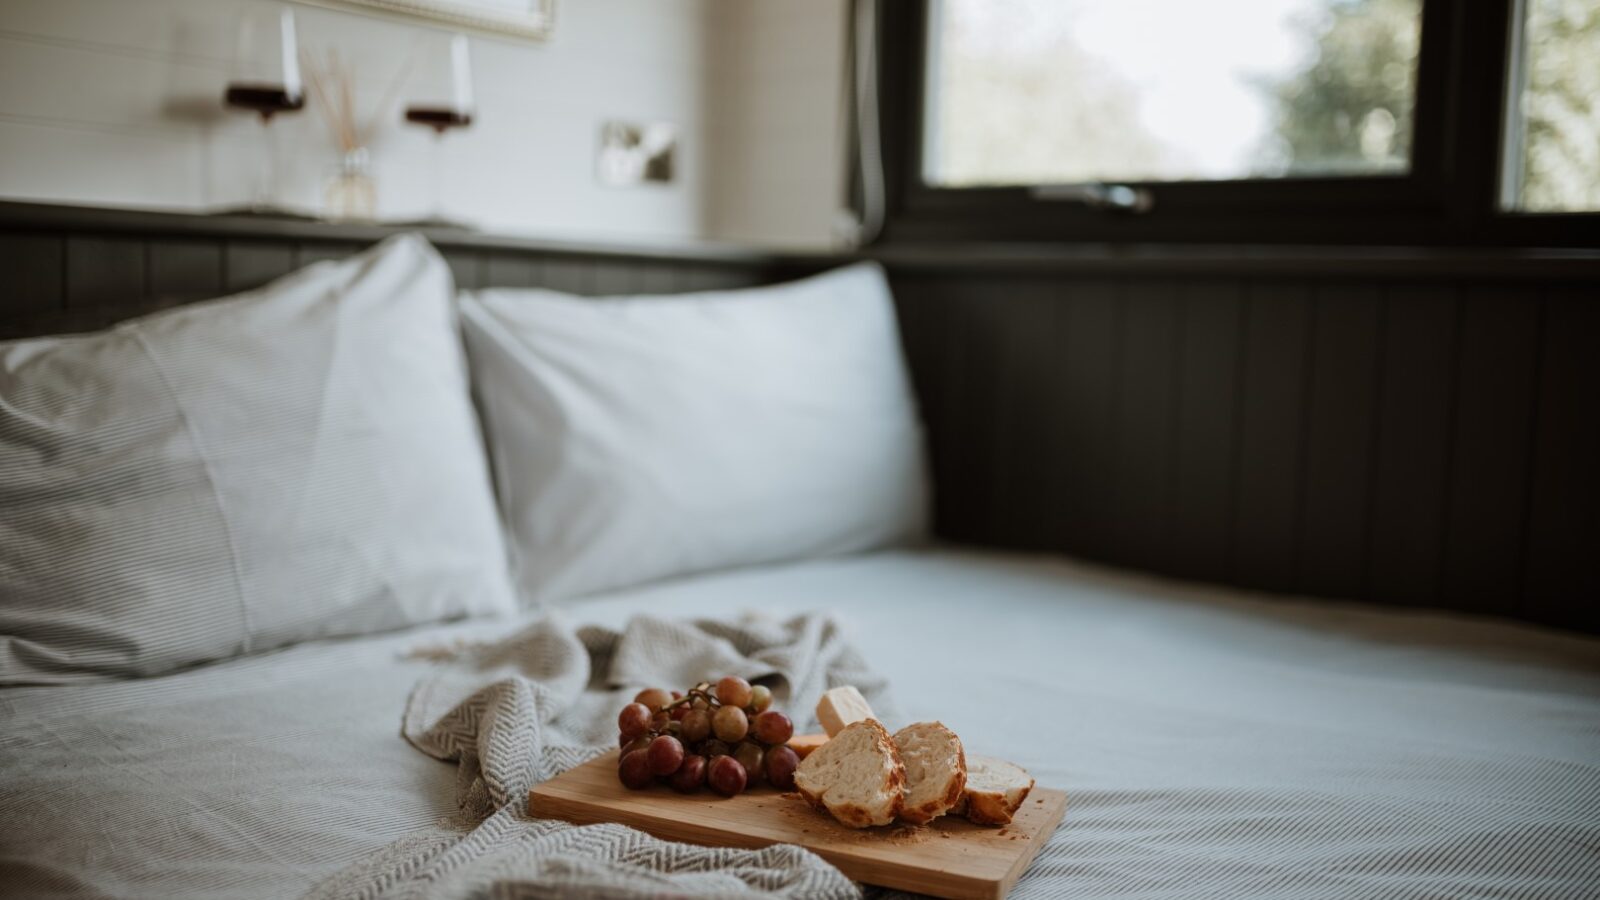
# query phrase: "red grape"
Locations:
[[666, 755], [773, 727], [734, 691], [714, 748], [638, 743], [726, 776], [634, 770], [760, 698], [654, 698], [696, 726], [730, 724], [750, 756], [634, 720], [690, 776], [781, 763]]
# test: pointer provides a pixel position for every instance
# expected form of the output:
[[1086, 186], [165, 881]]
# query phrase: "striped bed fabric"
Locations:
[[297, 462]]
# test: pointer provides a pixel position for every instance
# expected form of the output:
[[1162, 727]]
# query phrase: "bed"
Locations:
[[1212, 743], [225, 568]]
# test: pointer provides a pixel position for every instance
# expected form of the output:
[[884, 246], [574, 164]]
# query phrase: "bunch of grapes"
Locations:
[[725, 736]]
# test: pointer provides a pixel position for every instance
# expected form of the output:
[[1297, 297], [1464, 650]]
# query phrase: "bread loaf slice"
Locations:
[[857, 776], [994, 792], [936, 770]]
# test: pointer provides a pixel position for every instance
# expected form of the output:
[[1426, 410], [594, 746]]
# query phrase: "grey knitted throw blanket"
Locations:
[[515, 712]]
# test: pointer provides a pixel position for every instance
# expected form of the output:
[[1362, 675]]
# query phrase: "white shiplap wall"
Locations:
[[118, 102]]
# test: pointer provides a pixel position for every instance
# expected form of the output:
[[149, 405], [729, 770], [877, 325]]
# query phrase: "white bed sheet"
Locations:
[[1213, 744]]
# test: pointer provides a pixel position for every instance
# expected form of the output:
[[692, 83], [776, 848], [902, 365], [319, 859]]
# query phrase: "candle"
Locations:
[[461, 65], [291, 55]]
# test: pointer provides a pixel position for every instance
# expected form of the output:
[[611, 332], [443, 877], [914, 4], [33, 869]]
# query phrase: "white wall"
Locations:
[[777, 128], [117, 102]]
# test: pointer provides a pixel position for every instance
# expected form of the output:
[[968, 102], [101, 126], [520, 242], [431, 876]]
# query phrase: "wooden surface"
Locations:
[[1402, 442], [949, 858]]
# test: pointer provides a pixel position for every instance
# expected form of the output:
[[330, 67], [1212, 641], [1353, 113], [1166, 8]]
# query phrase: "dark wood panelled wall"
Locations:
[[1418, 429], [1416, 441], [76, 282]]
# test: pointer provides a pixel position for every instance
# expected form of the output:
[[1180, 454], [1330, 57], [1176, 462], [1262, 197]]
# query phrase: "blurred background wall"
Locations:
[[118, 102]]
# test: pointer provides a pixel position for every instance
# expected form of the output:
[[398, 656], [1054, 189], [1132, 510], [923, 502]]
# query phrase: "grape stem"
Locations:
[[701, 690]]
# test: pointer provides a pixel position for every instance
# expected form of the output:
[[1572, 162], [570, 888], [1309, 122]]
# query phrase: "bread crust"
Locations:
[[854, 814], [954, 789], [993, 807]]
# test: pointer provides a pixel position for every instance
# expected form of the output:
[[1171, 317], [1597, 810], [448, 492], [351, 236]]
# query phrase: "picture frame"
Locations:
[[525, 19]]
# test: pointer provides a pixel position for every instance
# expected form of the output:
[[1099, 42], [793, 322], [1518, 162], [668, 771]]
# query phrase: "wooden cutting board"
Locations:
[[949, 858]]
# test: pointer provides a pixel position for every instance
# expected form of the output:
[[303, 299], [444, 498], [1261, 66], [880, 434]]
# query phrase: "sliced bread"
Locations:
[[936, 770], [994, 792], [857, 776]]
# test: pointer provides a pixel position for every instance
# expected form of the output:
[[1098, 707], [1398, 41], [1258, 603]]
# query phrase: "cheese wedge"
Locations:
[[803, 744], [842, 706]]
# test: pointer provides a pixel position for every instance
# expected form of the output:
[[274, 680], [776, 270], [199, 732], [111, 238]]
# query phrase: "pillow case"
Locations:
[[638, 438], [297, 462]]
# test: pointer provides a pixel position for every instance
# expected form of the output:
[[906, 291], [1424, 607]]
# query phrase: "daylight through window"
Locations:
[[1023, 92]]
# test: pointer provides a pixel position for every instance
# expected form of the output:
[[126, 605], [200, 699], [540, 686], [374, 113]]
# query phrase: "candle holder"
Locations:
[[444, 103], [264, 78]]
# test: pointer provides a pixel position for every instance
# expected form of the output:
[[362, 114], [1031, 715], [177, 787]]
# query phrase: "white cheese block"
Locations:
[[840, 707]]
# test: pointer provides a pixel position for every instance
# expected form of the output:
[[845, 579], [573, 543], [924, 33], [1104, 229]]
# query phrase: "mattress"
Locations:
[[1212, 743]]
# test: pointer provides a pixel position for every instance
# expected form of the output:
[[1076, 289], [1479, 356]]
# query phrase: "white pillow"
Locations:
[[637, 438], [227, 477]]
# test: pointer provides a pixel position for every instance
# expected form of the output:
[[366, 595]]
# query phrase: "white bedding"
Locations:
[[1212, 744]]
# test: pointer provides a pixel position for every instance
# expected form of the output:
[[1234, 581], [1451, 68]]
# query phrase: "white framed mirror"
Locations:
[[530, 19]]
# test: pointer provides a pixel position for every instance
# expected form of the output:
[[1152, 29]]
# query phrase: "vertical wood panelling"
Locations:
[[512, 271], [185, 269], [1088, 378], [652, 278], [1022, 434], [1411, 457], [966, 408], [1144, 424], [566, 273], [611, 277], [923, 308], [1336, 492], [1272, 396], [251, 264], [1562, 583], [466, 267], [104, 271], [32, 267], [1203, 485], [919, 311], [1495, 388], [306, 253], [695, 277]]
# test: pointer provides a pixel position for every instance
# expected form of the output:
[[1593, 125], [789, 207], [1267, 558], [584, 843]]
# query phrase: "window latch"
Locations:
[[1095, 195]]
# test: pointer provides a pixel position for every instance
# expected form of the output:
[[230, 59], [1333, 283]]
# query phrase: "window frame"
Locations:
[[1451, 195]]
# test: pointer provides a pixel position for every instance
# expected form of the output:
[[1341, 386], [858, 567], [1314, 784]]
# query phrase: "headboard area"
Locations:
[[69, 269], [1403, 427]]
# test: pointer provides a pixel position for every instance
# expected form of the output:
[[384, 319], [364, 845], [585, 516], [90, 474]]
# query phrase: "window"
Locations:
[[1023, 92], [1240, 121], [1552, 161]]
